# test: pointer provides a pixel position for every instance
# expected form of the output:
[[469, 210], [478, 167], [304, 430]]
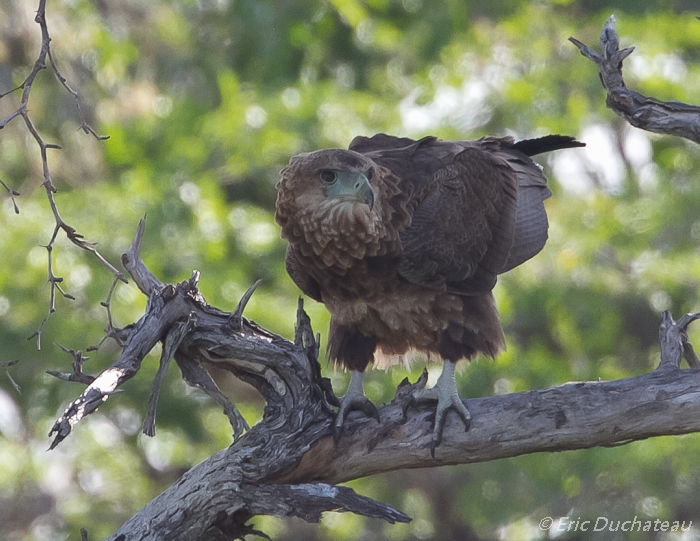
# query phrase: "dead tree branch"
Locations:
[[23, 112], [287, 464], [672, 118]]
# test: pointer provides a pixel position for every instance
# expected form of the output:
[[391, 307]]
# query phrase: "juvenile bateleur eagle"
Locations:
[[403, 240]]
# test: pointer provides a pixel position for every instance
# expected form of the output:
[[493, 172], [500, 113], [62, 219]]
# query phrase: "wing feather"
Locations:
[[300, 277], [478, 207], [531, 225], [462, 230]]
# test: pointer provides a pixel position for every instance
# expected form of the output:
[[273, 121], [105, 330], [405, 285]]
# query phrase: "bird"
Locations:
[[403, 241]]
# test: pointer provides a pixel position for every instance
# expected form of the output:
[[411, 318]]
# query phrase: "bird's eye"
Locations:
[[370, 173], [328, 177]]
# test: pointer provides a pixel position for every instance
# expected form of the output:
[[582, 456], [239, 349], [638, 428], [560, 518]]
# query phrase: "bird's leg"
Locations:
[[354, 399], [445, 392]]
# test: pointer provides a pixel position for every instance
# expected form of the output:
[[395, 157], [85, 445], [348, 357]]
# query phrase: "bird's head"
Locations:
[[329, 177], [339, 206], [329, 203]]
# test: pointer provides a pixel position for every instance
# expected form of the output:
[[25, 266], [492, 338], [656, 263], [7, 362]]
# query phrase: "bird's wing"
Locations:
[[464, 198], [478, 207], [531, 224], [300, 277], [462, 228]]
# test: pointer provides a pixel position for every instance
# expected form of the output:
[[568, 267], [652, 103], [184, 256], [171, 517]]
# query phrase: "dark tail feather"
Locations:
[[532, 147]]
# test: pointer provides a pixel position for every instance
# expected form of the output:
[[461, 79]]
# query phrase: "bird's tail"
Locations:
[[532, 147]]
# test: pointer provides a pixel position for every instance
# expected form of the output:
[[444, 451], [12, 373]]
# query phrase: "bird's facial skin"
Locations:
[[347, 186]]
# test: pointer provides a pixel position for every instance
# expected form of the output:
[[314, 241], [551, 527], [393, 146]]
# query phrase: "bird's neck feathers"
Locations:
[[336, 233]]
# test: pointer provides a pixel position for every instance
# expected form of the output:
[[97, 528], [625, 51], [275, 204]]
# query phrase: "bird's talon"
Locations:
[[369, 409], [463, 412], [445, 393], [354, 399]]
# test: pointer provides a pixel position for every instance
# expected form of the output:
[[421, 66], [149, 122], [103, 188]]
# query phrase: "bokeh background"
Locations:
[[204, 101]]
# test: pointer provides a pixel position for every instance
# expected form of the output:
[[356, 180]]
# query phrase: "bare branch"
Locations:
[[77, 375], [13, 194], [49, 186], [10, 118], [647, 113], [3, 94], [237, 315], [83, 125], [53, 282], [171, 343], [6, 365], [145, 335], [674, 341], [131, 260], [110, 331], [196, 376]]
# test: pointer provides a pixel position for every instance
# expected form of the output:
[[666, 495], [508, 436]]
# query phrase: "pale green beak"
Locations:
[[348, 185]]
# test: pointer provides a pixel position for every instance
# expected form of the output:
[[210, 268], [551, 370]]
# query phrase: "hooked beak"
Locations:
[[369, 198], [351, 186]]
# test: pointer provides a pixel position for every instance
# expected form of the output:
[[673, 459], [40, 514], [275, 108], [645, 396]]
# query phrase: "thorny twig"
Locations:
[[83, 125], [110, 331], [6, 365], [12, 193], [22, 111], [78, 360]]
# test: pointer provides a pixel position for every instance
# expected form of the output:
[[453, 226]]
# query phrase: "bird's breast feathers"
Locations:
[[403, 315]]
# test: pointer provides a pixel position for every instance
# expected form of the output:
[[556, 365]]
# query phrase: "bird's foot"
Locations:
[[354, 399], [445, 393]]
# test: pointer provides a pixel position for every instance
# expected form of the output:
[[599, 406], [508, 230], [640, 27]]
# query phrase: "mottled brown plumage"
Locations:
[[411, 265], [417, 270]]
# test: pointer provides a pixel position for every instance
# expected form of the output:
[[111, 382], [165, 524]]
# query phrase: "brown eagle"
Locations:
[[403, 240]]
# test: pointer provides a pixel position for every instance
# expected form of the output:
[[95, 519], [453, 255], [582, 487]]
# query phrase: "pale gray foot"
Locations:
[[354, 399], [445, 393]]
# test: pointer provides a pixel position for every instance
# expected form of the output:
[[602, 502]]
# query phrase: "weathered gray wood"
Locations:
[[291, 448], [287, 464], [673, 118], [571, 416]]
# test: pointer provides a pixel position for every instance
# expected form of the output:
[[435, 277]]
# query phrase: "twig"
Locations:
[[83, 125], [7, 364], [54, 282], [77, 375], [15, 89], [110, 331], [131, 260], [237, 316], [170, 345], [12, 193], [49, 186]]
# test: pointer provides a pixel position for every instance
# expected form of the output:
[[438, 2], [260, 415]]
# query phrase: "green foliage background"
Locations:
[[204, 101]]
